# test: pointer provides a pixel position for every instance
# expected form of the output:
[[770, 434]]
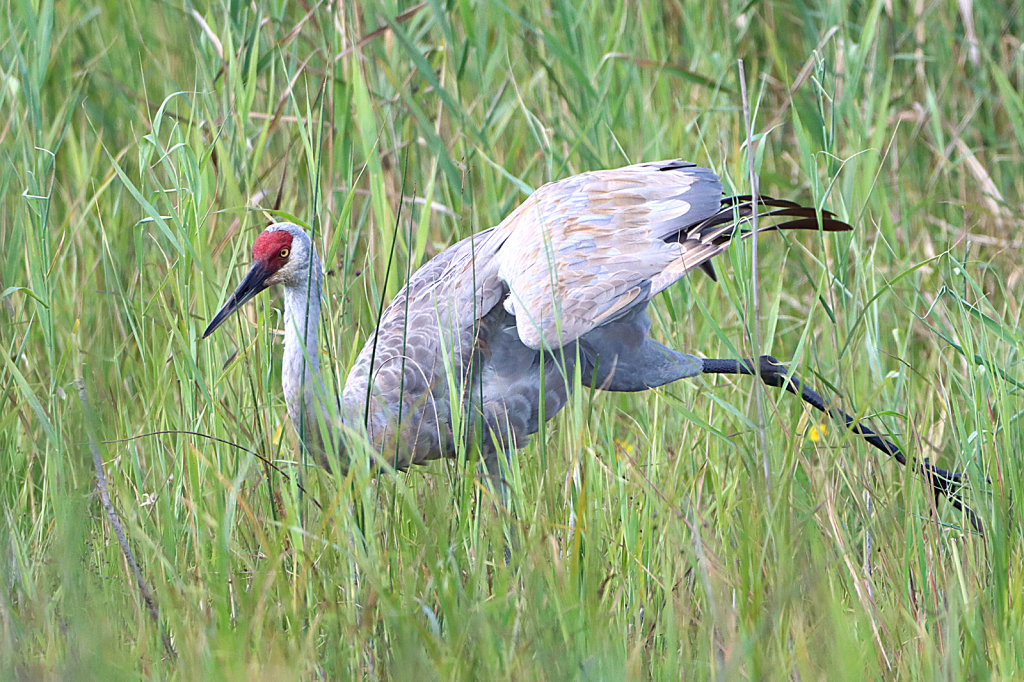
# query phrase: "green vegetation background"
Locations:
[[138, 141]]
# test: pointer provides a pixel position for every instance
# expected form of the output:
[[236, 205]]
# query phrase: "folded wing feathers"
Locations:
[[583, 251]]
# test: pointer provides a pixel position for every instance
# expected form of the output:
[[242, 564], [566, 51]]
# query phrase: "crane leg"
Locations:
[[773, 373], [504, 429], [495, 473]]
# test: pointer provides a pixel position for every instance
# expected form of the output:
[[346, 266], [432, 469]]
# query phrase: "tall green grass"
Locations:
[[138, 143]]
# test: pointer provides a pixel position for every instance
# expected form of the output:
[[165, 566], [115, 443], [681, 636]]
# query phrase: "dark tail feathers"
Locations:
[[738, 210]]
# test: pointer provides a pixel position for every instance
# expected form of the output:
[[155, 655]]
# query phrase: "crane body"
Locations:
[[497, 325]]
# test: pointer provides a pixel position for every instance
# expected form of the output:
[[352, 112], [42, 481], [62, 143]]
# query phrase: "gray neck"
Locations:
[[300, 366]]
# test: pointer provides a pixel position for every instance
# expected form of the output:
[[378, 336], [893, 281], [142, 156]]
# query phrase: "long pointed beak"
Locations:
[[254, 282]]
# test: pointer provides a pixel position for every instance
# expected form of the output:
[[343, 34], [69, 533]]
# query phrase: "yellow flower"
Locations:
[[817, 431]]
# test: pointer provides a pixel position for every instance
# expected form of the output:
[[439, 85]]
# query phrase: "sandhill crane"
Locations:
[[496, 325]]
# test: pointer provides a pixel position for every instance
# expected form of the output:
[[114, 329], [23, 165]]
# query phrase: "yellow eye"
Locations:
[[285, 252]]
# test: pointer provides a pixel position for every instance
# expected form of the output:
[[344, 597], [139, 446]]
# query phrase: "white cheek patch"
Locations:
[[287, 272]]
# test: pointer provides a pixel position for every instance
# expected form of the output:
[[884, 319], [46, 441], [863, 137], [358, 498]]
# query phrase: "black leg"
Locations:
[[773, 373]]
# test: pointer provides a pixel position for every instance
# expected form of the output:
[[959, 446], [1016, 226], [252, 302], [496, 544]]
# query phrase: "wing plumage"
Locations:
[[582, 251], [586, 250]]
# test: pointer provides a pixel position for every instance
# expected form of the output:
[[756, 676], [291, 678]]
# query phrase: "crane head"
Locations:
[[280, 255]]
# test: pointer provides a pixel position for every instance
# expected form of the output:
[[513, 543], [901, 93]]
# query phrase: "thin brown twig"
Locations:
[[115, 523]]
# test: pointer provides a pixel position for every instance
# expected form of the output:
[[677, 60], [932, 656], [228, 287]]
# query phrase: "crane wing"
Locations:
[[583, 251]]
